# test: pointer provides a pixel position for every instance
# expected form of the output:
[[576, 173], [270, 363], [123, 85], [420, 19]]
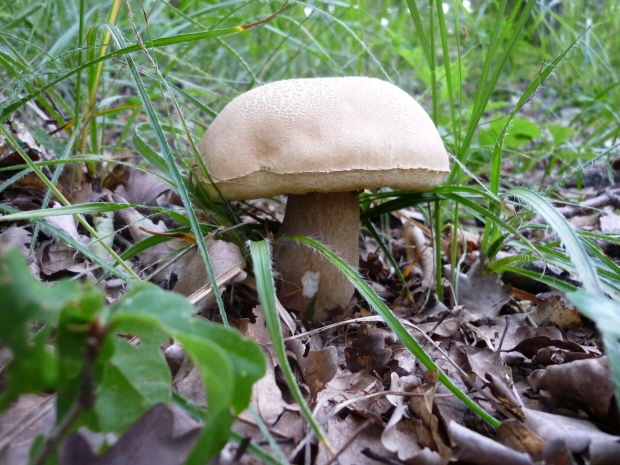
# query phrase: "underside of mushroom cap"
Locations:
[[322, 135]]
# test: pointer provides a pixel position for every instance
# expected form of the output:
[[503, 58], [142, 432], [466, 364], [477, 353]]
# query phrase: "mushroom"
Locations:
[[321, 141]]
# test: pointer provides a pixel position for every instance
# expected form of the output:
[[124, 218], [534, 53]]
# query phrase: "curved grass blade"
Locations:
[[572, 243], [82, 209], [261, 257], [395, 325], [172, 168]]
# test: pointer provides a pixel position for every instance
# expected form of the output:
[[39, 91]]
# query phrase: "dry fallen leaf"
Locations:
[[318, 367], [150, 440], [483, 295], [578, 435], [368, 351], [267, 398], [476, 448], [582, 385], [30, 416], [225, 256]]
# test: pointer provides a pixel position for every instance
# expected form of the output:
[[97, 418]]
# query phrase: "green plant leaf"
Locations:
[[559, 133], [30, 312]]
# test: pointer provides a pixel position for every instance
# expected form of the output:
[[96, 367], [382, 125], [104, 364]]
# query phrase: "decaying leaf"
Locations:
[[483, 295], [399, 435], [368, 351], [225, 256], [21, 239], [29, 417], [351, 434], [267, 398], [318, 367], [582, 385], [476, 448], [578, 435], [150, 440], [556, 310], [514, 434]]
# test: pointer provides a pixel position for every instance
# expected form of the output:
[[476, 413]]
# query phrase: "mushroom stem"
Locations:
[[334, 220]]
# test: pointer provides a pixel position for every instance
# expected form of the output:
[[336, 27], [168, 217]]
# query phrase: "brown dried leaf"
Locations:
[[426, 424], [318, 367], [583, 384], [345, 434], [148, 441], [142, 188], [267, 398], [556, 310], [475, 448], [21, 239], [27, 418], [514, 434], [399, 435], [478, 362], [483, 295], [368, 351], [577, 434], [531, 346], [224, 256]]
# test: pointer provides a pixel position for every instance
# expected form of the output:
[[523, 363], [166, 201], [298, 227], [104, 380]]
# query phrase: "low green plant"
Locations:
[[105, 363]]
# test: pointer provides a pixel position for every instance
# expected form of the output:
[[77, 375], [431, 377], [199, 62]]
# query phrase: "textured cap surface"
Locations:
[[322, 135]]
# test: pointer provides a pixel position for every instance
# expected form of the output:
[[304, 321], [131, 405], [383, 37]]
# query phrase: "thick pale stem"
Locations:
[[332, 219]]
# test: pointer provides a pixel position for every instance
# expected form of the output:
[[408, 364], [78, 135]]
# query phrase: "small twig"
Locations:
[[378, 457], [501, 341]]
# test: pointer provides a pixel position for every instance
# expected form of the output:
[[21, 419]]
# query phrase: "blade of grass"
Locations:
[[83, 249], [395, 325], [173, 169], [81, 209], [565, 231], [261, 257]]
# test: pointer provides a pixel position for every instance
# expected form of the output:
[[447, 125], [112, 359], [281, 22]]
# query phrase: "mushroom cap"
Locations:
[[322, 135]]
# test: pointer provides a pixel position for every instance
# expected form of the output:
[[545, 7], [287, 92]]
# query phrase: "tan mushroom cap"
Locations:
[[322, 135]]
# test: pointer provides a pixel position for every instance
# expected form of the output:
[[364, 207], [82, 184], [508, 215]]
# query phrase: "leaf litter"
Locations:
[[529, 358]]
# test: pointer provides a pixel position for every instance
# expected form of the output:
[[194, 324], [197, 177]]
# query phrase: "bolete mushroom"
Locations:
[[321, 141]]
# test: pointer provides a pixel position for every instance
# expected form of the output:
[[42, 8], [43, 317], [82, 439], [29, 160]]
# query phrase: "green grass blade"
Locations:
[[261, 257], [394, 323], [570, 239], [81, 209], [173, 169], [83, 249]]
